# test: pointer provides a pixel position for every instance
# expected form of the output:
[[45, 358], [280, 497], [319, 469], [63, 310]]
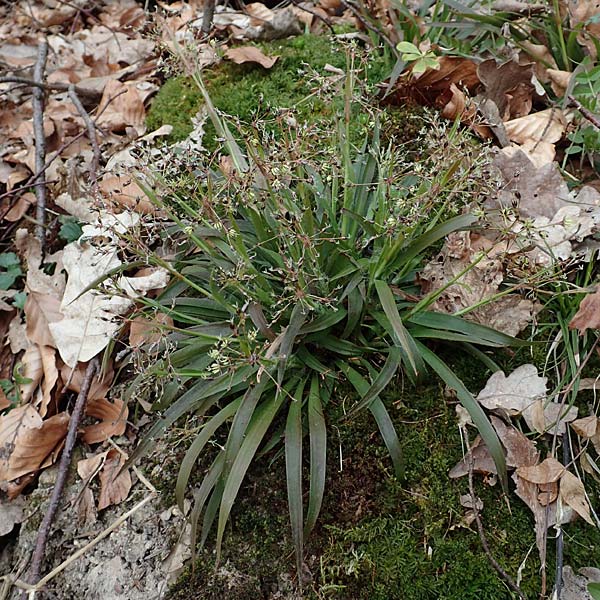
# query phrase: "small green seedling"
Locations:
[[10, 270], [422, 60]]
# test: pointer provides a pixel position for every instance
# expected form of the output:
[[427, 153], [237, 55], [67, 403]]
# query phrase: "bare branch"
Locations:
[[91, 129], [63, 470], [40, 141]]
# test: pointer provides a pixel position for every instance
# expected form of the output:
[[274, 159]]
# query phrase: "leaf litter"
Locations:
[[534, 220]]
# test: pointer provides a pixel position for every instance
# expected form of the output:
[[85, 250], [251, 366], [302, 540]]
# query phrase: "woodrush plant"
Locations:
[[292, 276]]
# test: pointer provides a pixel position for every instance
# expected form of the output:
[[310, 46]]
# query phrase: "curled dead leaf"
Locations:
[[113, 420]]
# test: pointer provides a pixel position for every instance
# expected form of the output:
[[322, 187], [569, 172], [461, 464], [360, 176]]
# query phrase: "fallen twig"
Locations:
[[91, 129], [53, 87], [486, 548], [63, 469], [40, 141], [588, 114]]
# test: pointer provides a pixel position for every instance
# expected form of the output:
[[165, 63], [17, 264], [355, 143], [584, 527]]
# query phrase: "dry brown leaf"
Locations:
[[114, 487], [4, 401], [73, 378], [250, 54], [26, 441], [11, 514], [123, 107], [548, 493], [88, 468], [148, 331], [433, 87], [548, 471], [588, 315], [482, 461], [559, 81], [572, 493], [520, 451], [86, 508], [48, 356], [509, 86], [544, 516], [586, 427], [535, 191], [113, 417], [20, 207], [126, 193]]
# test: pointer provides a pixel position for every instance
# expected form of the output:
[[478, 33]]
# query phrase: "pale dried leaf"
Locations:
[[148, 331], [73, 378], [48, 356], [32, 369], [124, 191], [514, 393], [11, 514], [252, 54], [572, 493], [123, 107], [20, 207], [40, 311], [88, 468]]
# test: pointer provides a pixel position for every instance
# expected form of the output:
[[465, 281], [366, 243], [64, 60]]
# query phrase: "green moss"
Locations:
[[249, 91]]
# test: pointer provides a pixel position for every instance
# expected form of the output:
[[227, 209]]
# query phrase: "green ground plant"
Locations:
[[292, 277]]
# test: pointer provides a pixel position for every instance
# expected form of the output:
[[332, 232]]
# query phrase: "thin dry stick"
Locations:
[[486, 548], [40, 140], [91, 129], [53, 87], [588, 114], [63, 470]]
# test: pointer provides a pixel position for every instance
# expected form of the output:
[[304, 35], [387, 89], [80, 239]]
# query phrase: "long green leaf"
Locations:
[[189, 460], [289, 337], [487, 432], [200, 497], [293, 468], [401, 336], [325, 321], [477, 332], [261, 421], [379, 383], [200, 397], [318, 454], [382, 418], [389, 435]]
